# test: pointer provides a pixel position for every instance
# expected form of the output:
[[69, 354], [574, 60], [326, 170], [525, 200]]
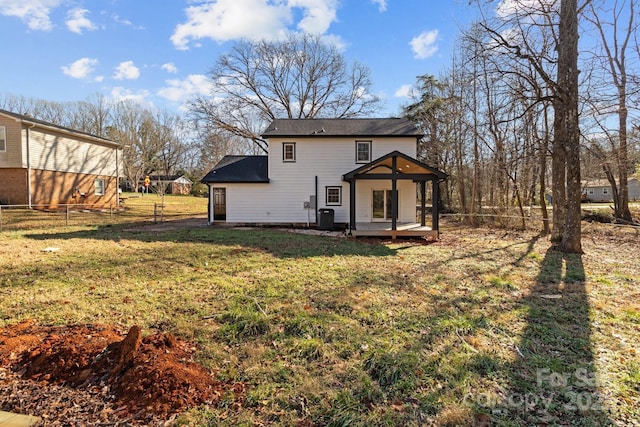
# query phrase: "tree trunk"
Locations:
[[568, 87]]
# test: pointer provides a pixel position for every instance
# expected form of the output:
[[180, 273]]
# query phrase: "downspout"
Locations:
[[315, 208], [30, 125], [117, 177]]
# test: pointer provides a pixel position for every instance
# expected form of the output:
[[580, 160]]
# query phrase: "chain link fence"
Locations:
[[22, 217]]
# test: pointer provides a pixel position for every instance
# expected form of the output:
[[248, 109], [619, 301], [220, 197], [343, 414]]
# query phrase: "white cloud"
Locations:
[[119, 94], [170, 67], [80, 69], [35, 13], [77, 21], [424, 45], [126, 22], [223, 20], [382, 4], [181, 90], [509, 8], [404, 91], [126, 70], [318, 14]]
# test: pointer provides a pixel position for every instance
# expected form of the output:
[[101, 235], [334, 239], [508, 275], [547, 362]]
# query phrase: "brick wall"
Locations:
[[58, 188], [13, 186]]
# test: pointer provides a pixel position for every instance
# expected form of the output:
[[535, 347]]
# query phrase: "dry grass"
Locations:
[[135, 208], [484, 324]]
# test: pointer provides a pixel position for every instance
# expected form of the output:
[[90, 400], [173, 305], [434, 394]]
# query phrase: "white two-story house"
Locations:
[[358, 174]]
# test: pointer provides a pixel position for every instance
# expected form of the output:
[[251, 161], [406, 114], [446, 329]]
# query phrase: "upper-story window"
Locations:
[[363, 151], [3, 138], [288, 151], [605, 191]]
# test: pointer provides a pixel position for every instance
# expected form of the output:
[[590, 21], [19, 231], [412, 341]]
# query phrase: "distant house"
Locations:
[[599, 190], [172, 184], [361, 174], [46, 165]]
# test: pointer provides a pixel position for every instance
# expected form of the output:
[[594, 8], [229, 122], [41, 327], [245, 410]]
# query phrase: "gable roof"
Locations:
[[409, 167], [24, 119], [239, 169], [170, 178], [342, 127]]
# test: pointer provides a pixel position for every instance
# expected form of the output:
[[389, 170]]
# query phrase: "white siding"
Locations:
[[12, 156], [293, 183], [58, 152]]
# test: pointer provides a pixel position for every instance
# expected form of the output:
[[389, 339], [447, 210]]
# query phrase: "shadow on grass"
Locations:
[[281, 244], [553, 382]]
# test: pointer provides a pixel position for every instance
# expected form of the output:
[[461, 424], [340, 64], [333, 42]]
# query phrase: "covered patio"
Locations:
[[394, 167]]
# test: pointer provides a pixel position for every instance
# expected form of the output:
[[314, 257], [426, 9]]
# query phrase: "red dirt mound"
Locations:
[[143, 377]]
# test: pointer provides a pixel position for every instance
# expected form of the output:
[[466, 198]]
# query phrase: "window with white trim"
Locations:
[[605, 191], [591, 191], [333, 196], [288, 151], [3, 138], [363, 151], [99, 187]]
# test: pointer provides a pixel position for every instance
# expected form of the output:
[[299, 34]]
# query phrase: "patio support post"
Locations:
[[352, 204], [394, 193], [435, 195], [423, 204]]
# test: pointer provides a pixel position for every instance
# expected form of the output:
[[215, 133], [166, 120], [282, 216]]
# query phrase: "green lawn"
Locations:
[[482, 325]]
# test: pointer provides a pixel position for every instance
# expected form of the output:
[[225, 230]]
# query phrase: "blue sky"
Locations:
[[158, 52]]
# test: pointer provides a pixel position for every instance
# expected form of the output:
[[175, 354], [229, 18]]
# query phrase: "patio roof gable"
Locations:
[[405, 165]]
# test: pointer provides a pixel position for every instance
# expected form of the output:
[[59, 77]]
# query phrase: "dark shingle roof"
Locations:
[[341, 127], [239, 169]]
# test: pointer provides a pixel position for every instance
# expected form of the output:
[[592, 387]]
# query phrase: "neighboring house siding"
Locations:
[[634, 189], [13, 156], [601, 191], [57, 152]]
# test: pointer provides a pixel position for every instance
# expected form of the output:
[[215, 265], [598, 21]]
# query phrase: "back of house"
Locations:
[[312, 168]]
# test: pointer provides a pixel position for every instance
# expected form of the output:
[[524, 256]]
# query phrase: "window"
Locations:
[[605, 191], [98, 185], [288, 151], [591, 191], [333, 196], [3, 139], [363, 151]]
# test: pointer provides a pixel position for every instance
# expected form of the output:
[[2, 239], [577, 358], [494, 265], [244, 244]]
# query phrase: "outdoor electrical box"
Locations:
[[311, 204]]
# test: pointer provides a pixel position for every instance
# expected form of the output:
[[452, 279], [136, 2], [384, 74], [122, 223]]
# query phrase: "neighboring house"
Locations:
[[355, 173], [43, 165], [173, 184], [599, 190]]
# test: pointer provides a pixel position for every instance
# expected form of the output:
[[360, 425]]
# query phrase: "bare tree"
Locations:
[[615, 38], [299, 77]]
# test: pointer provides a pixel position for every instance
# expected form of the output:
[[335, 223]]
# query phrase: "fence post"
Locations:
[[67, 219], [0, 218], [155, 212], [110, 212]]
